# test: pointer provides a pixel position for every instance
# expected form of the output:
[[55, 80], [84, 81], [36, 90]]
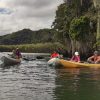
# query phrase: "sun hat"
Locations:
[[76, 53]]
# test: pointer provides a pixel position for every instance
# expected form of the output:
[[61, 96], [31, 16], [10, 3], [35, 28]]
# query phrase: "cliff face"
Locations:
[[68, 1], [73, 26]]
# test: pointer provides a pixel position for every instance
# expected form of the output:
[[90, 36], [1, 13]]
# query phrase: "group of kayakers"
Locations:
[[94, 59], [16, 53]]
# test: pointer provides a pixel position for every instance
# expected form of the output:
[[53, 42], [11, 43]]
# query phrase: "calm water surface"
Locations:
[[35, 80]]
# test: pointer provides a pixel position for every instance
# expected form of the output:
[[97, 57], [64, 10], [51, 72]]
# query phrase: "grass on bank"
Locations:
[[34, 48]]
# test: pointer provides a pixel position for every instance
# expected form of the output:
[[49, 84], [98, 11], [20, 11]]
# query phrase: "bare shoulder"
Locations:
[[91, 57]]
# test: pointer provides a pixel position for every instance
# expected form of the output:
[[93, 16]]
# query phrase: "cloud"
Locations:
[[32, 3], [33, 14]]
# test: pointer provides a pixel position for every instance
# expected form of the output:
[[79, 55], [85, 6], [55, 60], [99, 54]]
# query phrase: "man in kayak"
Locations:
[[55, 55], [76, 57], [18, 53], [95, 59]]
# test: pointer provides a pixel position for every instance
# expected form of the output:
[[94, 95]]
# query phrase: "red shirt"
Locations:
[[54, 55]]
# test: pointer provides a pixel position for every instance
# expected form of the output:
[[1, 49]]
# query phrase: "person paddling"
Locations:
[[95, 59], [75, 57], [55, 55], [18, 53]]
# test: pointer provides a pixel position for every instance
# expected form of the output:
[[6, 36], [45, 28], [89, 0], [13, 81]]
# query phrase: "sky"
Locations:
[[32, 14]]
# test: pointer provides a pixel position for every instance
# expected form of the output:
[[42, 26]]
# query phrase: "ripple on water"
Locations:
[[32, 80]]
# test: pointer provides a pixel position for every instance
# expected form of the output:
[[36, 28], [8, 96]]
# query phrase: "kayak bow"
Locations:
[[10, 61]]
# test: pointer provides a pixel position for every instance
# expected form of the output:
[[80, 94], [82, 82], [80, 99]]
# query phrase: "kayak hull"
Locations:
[[10, 61], [71, 64]]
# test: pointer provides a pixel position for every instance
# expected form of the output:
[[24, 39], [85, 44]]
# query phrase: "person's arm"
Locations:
[[52, 55], [72, 58], [90, 59], [78, 58], [97, 61]]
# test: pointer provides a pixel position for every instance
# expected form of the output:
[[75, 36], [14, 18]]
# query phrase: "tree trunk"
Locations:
[[84, 48]]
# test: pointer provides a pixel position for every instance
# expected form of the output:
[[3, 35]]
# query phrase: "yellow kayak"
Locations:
[[71, 64]]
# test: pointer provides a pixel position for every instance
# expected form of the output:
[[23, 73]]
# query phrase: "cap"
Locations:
[[76, 53]]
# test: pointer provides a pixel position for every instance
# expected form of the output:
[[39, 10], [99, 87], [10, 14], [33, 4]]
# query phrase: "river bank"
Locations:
[[44, 48], [34, 48]]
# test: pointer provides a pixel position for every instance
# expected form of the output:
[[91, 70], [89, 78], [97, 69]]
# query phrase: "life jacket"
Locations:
[[54, 55], [76, 58]]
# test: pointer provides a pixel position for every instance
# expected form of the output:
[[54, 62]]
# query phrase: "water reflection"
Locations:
[[78, 84]]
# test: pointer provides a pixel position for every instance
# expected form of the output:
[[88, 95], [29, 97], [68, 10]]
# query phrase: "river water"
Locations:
[[35, 80]]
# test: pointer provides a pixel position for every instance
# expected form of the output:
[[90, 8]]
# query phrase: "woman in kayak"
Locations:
[[55, 55], [18, 53], [76, 57], [95, 59]]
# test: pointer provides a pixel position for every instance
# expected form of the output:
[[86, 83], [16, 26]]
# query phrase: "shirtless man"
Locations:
[[95, 59]]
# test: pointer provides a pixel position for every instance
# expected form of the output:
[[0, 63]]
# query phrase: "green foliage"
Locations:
[[66, 12], [97, 44], [76, 24], [79, 28], [64, 15]]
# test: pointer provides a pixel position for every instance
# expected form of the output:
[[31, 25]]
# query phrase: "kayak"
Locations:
[[53, 62], [71, 64], [10, 61]]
